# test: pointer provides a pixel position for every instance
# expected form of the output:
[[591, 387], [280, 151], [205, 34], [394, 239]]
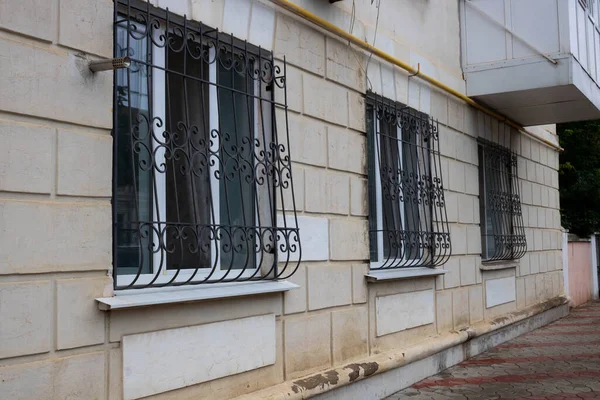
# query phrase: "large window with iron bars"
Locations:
[[408, 224], [502, 231], [203, 189]]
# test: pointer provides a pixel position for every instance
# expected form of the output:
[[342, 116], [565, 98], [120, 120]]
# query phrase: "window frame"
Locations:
[[280, 227], [504, 199], [427, 160]]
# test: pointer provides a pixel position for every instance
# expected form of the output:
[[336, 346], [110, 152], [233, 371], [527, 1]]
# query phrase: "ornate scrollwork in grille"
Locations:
[[503, 234], [408, 220], [203, 188]]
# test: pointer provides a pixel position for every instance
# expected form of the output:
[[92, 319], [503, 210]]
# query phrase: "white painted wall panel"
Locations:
[[500, 291], [164, 360], [540, 31], [485, 40], [581, 40], [403, 311], [591, 48]]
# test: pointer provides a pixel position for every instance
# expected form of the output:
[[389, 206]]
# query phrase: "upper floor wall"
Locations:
[[536, 61]]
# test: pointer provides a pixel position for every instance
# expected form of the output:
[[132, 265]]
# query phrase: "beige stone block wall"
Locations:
[[55, 188]]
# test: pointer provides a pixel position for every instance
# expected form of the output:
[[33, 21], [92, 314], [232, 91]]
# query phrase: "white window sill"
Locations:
[[498, 265], [402, 273], [132, 298]]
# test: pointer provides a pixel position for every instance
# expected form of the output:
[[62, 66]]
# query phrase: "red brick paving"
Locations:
[[559, 361]]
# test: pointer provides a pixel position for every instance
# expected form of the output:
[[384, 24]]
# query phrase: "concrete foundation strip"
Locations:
[[322, 382]]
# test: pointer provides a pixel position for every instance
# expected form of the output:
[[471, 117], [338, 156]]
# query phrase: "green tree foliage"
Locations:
[[579, 176]]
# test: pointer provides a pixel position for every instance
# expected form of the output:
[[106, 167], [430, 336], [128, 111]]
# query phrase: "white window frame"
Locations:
[[164, 275]]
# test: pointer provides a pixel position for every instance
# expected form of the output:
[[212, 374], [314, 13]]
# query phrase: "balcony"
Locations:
[[535, 61]]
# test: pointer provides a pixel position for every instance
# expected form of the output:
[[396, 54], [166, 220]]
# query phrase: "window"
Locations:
[[502, 231], [408, 225], [202, 174]]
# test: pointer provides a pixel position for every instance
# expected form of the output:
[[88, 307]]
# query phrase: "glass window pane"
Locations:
[[133, 195], [187, 173], [237, 185]]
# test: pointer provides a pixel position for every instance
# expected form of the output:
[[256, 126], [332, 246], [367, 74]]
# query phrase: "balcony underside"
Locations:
[[538, 92]]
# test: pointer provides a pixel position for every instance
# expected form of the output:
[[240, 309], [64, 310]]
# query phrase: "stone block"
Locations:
[[458, 235], [439, 106], [475, 304], [401, 83], [54, 236], [26, 157], [452, 277], [77, 377], [315, 237], [444, 311], [460, 308], [359, 204], [307, 344], [327, 192], [526, 192], [473, 239], [294, 301], [356, 111], [347, 150], [77, 307], [345, 65], [87, 26], [294, 78], [350, 331], [115, 374], [54, 84], [521, 296], [500, 291], [526, 147], [456, 115], [84, 164], [349, 239], [447, 142], [209, 12], [535, 151], [262, 26], [534, 263], [329, 286], [531, 171], [26, 310], [179, 7], [302, 45], [388, 87], [236, 18], [465, 209], [472, 180], [326, 100], [224, 348], [34, 18], [456, 176], [468, 270], [308, 139], [524, 266], [285, 199], [399, 312], [359, 283], [452, 208]]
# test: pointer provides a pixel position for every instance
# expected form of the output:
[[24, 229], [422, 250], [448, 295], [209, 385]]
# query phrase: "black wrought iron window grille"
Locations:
[[203, 189], [502, 230], [408, 223]]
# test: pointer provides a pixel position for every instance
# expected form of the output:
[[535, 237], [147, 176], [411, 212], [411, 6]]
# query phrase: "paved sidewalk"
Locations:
[[558, 361]]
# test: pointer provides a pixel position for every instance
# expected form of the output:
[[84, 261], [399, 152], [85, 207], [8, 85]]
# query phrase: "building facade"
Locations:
[[261, 207]]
